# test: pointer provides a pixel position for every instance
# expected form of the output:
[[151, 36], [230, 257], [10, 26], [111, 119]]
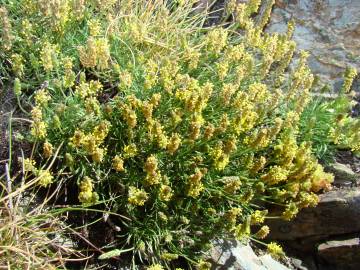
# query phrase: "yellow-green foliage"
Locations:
[[181, 129]]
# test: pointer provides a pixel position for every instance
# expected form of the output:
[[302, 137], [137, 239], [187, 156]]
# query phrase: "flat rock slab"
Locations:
[[338, 212], [343, 254], [233, 255]]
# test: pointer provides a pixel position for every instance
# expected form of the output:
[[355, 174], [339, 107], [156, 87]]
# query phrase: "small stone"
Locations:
[[338, 212], [341, 254], [298, 264], [344, 175], [271, 264]]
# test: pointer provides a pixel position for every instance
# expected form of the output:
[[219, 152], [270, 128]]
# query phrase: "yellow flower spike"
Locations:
[[174, 143], [133, 101], [136, 196], [230, 6], [275, 175], [228, 90], [176, 117], [29, 165], [155, 267], [125, 79], [38, 129], [147, 110], [258, 217], [86, 194], [17, 62], [253, 6], [130, 151], [275, 250], [194, 130], [232, 185], [216, 40], [321, 180], [241, 15], [169, 256], [118, 164], [45, 177], [155, 99], [203, 265], [42, 98], [231, 217], [195, 187], [129, 116], [222, 69], [262, 232], [152, 178], [242, 231], [94, 27], [78, 8], [259, 165], [92, 105], [349, 76], [101, 131], [36, 114], [6, 30], [290, 211], [103, 54], [88, 54], [290, 29], [261, 139], [253, 35], [165, 193], [209, 131], [265, 16], [230, 146], [78, 138], [151, 164], [192, 56], [224, 123], [69, 75], [98, 154], [48, 56], [258, 92], [47, 149]]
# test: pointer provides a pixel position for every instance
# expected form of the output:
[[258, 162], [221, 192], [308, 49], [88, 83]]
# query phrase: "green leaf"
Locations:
[[113, 253]]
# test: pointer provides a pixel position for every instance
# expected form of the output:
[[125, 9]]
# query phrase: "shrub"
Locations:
[[187, 132]]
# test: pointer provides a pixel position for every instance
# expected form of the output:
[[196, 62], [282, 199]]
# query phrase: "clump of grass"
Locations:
[[32, 234], [185, 132]]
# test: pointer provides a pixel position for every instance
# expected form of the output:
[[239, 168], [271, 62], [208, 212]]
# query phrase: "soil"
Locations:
[[11, 130]]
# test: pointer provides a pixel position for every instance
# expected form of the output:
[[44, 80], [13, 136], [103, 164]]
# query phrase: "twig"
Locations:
[[8, 185]]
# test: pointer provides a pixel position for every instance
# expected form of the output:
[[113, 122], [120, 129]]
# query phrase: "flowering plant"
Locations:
[[186, 132]]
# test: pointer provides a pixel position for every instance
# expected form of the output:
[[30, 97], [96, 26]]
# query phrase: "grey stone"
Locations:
[[344, 175], [298, 264], [338, 212], [271, 264], [329, 30], [233, 255], [342, 254]]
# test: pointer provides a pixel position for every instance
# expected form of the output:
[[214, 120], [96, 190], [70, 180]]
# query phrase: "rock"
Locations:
[[298, 264], [338, 212], [270, 263], [233, 255], [343, 254], [344, 175], [328, 29]]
